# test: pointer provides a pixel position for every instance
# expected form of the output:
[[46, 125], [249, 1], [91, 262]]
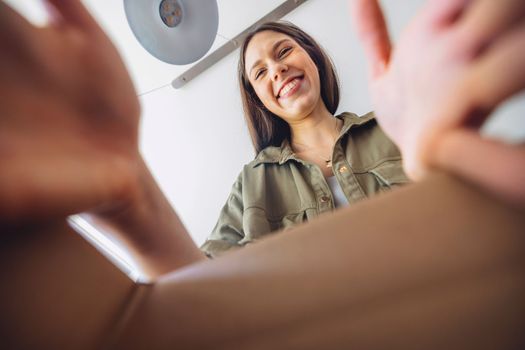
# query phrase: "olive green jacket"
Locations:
[[277, 190]]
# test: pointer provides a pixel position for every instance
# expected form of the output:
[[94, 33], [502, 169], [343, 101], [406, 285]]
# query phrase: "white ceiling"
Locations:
[[148, 72]]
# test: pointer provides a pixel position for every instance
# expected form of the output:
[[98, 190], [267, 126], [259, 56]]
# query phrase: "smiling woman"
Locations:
[[265, 127], [308, 161]]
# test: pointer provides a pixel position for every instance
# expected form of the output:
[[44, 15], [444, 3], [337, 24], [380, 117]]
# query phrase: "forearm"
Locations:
[[151, 228]]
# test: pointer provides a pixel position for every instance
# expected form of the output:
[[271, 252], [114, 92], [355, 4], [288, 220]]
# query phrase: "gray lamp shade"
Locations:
[[174, 31]]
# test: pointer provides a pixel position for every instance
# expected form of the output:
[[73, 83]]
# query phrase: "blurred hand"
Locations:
[[68, 116], [454, 63]]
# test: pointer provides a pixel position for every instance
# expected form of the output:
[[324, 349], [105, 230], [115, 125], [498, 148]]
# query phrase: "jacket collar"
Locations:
[[283, 153]]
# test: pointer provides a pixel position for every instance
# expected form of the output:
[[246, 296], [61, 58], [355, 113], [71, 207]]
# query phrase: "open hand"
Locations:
[[454, 63], [68, 116]]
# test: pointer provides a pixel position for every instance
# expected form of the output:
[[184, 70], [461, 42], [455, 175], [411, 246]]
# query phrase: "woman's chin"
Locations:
[[299, 107]]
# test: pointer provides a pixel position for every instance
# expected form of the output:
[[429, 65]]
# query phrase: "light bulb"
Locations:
[[170, 12]]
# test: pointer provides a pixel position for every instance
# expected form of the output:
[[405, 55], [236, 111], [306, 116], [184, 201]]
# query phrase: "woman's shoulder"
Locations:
[[271, 162], [356, 126], [276, 155], [253, 169]]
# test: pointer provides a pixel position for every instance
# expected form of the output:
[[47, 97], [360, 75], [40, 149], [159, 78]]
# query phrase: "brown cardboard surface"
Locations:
[[436, 265], [57, 291]]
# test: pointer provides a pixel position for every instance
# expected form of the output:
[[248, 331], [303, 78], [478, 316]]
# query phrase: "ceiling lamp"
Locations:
[[174, 31]]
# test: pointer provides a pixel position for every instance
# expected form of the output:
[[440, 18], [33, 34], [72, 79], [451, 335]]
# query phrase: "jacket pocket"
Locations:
[[287, 221], [390, 174]]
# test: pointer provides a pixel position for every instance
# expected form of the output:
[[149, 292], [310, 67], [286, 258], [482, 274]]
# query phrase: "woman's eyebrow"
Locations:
[[274, 47]]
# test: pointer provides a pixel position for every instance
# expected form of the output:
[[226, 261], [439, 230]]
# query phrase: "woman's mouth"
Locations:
[[290, 88]]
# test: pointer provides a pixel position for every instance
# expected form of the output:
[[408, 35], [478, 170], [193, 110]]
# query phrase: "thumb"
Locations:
[[372, 31], [72, 13]]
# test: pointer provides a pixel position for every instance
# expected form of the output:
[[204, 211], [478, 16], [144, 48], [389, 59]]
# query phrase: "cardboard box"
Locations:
[[434, 265]]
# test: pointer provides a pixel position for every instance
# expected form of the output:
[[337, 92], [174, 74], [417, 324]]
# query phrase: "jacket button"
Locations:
[[324, 199], [343, 169]]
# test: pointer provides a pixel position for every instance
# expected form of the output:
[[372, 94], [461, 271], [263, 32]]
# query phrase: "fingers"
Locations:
[[73, 13], [494, 166], [17, 49], [500, 72], [15, 30], [373, 33], [439, 13], [486, 20]]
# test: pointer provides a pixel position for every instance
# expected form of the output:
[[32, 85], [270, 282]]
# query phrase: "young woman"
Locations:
[[69, 120], [308, 161]]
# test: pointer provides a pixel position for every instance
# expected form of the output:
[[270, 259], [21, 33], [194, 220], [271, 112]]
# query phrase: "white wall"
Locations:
[[195, 140]]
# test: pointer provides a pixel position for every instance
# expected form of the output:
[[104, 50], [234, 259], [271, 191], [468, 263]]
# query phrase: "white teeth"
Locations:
[[288, 87]]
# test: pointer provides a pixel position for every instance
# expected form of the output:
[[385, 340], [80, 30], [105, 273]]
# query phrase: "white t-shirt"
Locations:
[[337, 192]]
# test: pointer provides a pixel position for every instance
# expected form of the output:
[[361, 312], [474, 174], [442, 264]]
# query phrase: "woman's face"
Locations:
[[283, 75]]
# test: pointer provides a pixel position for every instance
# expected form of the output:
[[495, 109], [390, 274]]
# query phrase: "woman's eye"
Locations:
[[259, 73], [284, 51]]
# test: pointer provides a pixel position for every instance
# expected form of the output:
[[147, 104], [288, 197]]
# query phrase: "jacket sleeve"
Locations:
[[228, 232]]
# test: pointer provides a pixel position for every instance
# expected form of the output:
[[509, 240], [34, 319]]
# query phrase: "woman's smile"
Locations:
[[290, 88]]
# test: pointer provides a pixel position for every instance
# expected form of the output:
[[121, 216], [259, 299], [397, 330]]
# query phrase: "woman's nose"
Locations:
[[278, 69]]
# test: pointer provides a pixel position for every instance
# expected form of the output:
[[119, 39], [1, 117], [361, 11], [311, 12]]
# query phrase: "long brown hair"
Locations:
[[267, 129]]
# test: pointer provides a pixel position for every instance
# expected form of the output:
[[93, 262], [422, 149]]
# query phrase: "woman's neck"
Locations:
[[317, 130]]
